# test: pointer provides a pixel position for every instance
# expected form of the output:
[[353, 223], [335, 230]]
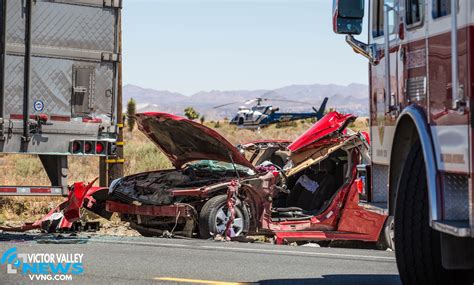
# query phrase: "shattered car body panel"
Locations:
[[266, 152], [301, 190], [164, 187], [66, 216], [322, 132], [309, 156], [343, 219]]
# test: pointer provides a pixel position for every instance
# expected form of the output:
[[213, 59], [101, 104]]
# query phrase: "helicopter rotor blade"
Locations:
[[288, 101], [227, 104], [251, 101], [258, 100]]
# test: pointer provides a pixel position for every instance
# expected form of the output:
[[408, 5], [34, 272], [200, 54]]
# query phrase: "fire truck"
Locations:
[[421, 74], [59, 85]]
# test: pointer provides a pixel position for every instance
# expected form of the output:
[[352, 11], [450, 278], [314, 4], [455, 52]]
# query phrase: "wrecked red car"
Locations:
[[303, 190]]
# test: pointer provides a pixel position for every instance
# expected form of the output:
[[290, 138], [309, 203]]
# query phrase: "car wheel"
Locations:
[[213, 218], [387, 237], [417, 245]]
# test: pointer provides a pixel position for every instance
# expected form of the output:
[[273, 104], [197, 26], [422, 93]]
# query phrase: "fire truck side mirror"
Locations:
[[348, 16]]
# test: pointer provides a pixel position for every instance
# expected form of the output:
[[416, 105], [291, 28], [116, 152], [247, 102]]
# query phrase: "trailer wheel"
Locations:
[[213, 218], [417, 245]]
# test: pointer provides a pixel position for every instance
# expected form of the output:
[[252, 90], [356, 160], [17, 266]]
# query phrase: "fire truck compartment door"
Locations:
[[451, 129], [384, 98]]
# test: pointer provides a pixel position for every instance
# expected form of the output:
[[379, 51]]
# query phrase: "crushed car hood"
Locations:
[[322, 132], [183, 140]]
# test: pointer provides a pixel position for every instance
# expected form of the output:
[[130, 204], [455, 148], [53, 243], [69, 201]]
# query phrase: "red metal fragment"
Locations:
[[231, 201], [67, 212]]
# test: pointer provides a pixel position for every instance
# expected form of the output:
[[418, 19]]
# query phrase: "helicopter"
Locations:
[[259, 115]]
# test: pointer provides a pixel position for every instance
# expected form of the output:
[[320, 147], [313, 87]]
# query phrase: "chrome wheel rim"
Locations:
[[221, 220]]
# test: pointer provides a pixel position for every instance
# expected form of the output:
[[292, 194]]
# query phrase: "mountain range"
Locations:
[[351, 98]]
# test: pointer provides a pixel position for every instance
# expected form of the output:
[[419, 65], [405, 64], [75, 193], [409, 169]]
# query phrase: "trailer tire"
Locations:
[[417, 245], [208, 217]]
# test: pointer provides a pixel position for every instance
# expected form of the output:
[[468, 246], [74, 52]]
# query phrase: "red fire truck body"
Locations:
[[421, 130]]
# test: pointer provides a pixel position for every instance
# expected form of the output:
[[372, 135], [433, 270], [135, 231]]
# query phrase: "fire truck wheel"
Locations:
[[213, 218], [418, 247]]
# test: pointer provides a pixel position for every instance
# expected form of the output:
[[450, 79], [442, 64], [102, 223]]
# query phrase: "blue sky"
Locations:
[[197, 45]]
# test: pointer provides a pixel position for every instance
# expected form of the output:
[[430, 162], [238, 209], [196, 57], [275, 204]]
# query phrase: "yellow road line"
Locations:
[[197, 281]]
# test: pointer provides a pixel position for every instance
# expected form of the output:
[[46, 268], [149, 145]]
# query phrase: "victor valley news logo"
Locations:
[[43, 266]]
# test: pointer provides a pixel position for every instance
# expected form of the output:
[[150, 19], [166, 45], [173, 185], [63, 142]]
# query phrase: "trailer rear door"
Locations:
[[73, 73]]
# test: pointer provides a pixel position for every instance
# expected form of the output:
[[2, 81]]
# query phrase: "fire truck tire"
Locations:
[[209, 220], [418, 247]]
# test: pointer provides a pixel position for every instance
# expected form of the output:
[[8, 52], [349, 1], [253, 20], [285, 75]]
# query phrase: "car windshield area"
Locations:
[[220, 166]]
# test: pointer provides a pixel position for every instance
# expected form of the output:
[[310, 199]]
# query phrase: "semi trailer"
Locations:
[[60, 86]]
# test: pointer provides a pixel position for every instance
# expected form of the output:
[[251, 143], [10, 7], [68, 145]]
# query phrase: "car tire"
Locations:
[[386, 239], [208, 217], [417, 245]]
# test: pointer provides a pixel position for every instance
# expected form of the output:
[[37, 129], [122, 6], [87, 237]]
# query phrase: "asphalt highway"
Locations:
[[113, 260]]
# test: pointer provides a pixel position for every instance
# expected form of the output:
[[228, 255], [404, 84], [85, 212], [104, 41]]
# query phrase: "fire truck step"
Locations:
[[380, 208], [456, 228]]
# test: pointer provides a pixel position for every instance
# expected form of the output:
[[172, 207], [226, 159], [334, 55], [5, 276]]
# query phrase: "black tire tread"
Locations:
[[417, 245]]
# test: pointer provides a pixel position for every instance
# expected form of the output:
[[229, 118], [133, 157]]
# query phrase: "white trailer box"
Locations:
[[58, 83]]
